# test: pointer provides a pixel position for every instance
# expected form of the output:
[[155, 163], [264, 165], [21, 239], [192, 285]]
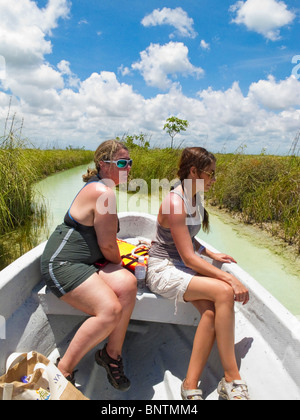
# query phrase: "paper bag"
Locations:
[[31, 376]]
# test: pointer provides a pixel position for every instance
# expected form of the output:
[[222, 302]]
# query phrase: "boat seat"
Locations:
[[149, 307]]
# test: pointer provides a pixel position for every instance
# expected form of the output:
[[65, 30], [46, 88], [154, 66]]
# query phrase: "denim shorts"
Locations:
[[169, 278]]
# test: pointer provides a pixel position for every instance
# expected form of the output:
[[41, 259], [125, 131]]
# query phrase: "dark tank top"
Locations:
[[88, 233]]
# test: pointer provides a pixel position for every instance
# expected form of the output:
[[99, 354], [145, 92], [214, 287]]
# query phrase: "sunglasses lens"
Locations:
[[123, 163]]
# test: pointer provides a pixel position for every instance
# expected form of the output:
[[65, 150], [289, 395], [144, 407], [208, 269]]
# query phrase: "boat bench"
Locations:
[[148, 307]]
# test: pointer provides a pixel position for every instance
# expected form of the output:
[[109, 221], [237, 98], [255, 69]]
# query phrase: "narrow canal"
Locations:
[[253, 250]]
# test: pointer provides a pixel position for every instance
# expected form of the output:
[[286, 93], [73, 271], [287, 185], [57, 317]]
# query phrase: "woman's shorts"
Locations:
[[169, 278], [62, 266], [62, 278]]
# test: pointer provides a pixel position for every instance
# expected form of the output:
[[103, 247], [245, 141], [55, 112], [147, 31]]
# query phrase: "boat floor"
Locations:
[[156, 358]]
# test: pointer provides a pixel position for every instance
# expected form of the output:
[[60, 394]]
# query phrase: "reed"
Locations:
[[262, 190], [20, 168], [154, 164], [15, 178]]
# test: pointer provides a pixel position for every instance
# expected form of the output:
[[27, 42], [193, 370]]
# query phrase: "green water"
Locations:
[[260, 257], [254, 252]]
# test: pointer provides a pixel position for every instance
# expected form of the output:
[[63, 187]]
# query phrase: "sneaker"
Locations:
[[236, 390], [191, 394]]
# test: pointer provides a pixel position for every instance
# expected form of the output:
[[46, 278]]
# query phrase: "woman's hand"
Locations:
[[241, 293], [223, 258]]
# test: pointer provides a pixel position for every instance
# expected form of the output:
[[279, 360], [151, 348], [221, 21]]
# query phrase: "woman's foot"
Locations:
[[68, 376], [190, 394], [114, 369], [236, 390]]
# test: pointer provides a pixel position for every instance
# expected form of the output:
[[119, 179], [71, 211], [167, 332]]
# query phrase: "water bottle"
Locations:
[[140, 273]]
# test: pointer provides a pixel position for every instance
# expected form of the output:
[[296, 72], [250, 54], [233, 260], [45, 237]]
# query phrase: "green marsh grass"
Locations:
[[264, 190], [261, 189], [20, 168]]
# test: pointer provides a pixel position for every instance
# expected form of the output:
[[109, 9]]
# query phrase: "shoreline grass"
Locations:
[[260, 189], [20, 168]]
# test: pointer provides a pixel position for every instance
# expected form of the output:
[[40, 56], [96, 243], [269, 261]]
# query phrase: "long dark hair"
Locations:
[[200, 158]]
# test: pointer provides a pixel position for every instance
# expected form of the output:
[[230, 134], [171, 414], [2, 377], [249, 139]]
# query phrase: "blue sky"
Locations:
[[115, 36], [80, 71]]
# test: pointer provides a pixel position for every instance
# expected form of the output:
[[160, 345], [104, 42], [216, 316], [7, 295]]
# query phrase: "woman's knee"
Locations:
[[225, 294], [208, 319], [128, 283], [209, 314], [111, 313], [123, 283]]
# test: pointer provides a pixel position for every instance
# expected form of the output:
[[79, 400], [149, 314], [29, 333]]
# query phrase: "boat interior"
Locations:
[[158, 343]]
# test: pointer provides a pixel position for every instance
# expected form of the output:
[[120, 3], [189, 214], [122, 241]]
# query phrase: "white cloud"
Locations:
[[103, 107], [125, 71], [57, 106], [64, 68], [160, 61], [102, 95], [266, 17], [204, 45], [277, 96], [24, 27], [2, 67], [23, 45], [177, 18]]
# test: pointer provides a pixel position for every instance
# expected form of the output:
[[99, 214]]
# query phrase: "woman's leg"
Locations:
[[96, 298], [124, 285], [221, 294], [203, 343]]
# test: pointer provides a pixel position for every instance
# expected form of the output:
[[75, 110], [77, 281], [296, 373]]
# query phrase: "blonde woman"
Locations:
[[176, 271], [81, 265]]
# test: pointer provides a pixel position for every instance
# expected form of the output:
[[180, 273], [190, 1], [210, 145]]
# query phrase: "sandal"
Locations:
[[114, 369], [191, 394]]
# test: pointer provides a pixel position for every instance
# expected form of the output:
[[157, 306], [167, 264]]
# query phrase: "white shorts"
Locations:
[[169, 278]]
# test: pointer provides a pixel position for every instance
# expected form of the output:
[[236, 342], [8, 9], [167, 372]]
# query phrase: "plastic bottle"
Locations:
[[140, 273]]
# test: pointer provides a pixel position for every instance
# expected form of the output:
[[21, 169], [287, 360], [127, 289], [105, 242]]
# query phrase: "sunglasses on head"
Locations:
[[121, 163]]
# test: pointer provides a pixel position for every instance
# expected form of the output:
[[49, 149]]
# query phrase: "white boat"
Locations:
[[158, 343]]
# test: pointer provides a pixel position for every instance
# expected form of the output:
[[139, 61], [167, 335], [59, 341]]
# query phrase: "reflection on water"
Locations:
[[244, 244]]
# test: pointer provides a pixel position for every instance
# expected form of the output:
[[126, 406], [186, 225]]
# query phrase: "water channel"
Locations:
[[254, 251]]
